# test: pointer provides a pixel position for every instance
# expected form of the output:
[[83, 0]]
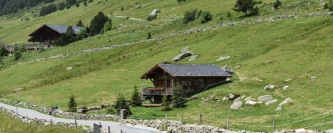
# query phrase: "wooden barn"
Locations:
[[193, 78], [50, 33]]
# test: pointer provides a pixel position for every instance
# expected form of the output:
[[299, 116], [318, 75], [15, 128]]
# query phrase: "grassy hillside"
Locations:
[[267, 53]]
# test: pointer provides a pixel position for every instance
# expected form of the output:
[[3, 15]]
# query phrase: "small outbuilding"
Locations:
[[193, 78]]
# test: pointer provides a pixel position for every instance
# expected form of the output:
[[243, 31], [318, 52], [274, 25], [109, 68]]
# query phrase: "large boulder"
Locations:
[[182, 56], [265, 98], [236, 105]]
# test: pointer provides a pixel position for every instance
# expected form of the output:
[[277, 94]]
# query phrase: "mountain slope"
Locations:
[[267, 53]]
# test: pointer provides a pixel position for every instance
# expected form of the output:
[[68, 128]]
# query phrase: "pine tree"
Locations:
[[121, 104], [178, 99], [80, 23], [72, 104], [149, 35], [165, 103], [136, 99], [97, 23]]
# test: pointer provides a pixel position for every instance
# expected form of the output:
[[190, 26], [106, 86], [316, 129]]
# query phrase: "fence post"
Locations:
[[181, 120], [75, 122], [51, 121], [109, 131], [273, 125], [227, 123], [200, 121]]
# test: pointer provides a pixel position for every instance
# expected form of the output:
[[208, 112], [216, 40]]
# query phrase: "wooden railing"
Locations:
[[156, 91]]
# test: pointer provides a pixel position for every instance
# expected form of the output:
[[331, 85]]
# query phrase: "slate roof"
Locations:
[[58, 28], [190, 70], [62, 28]]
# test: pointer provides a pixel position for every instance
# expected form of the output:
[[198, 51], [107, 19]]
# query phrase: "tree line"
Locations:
[[13, 6]]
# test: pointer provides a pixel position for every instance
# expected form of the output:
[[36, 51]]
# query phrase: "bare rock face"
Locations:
[[236, 105], [265, 98]]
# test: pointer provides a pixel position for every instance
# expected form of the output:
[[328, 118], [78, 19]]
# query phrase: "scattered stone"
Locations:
[[278, 108], [69, 68], [236, 105], [301, 130], [155, 12], [248, 98], [17, 89], [313, 77], [182, 56], [242, 97], [285, 87], [271, 102], [232, 97], [265, 98], [185, 49], [251, 103], [285, 101], [238, 66], [269, 87], [223, 58], [193, 57], [288, 80], [225, 99]]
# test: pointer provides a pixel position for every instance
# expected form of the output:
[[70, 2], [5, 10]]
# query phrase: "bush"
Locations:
[[277, 4], [205, 17], [4, 51], [179, 1], [329, 5], [189, 16], [17, 55]]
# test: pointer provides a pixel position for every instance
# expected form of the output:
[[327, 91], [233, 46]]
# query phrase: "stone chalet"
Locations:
[[193, 78]]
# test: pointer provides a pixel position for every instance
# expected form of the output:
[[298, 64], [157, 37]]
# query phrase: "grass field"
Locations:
[[267, 53], [9, 124]]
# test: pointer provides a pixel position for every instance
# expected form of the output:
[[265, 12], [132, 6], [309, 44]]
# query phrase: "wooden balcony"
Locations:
[[151, 91]]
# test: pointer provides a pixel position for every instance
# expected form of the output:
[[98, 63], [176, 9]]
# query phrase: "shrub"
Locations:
[[189, 16], [179, 1], [205, 17], [329, 5], [22, 48], [17, 55], [276, 4]]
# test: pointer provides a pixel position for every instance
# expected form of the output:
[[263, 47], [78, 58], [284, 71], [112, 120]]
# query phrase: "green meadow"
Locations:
[[266, 53]]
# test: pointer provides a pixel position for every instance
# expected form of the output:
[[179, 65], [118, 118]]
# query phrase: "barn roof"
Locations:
[[189, 70], [58, 28]]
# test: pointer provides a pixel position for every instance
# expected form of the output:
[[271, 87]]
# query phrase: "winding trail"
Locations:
[[114, 126]]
